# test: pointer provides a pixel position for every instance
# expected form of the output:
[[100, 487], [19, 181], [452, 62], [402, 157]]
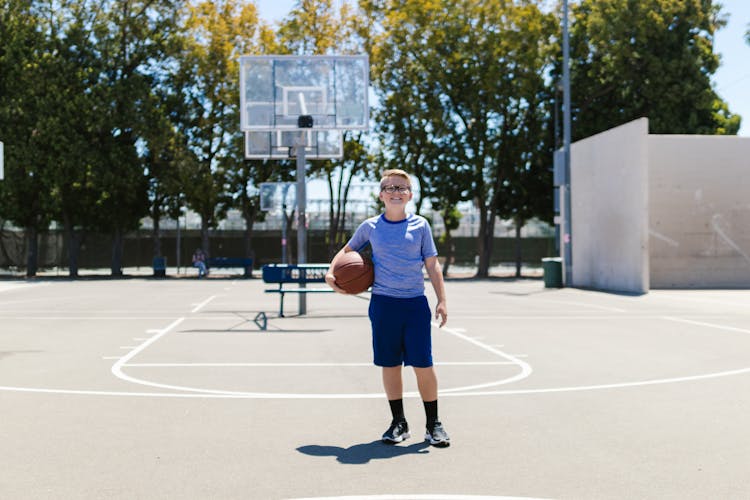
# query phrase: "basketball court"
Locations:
[[147, 388]]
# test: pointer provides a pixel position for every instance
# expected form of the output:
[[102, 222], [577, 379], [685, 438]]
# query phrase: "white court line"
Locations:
[[226, 395], [117, 371], [703, 323], [20, 286], [304, 365], [622, 385], [630, 384], [87, 318], [741, 371], [583, 304], [546, 318], [525, 367], [200, 306], [117, 367], [420, 497], [706, 300]]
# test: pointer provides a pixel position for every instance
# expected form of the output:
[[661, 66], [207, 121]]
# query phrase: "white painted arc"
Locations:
[[118, 372]]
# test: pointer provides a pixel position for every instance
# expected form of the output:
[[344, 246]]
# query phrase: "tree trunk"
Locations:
[[32, 251], [205, 242], [485, 241], [117, 242], [449, 251], [519, 256], [333, 231], [73, 242], [156, 232]]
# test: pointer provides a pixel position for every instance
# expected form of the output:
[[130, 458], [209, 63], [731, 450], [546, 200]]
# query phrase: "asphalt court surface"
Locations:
[[145, 388]]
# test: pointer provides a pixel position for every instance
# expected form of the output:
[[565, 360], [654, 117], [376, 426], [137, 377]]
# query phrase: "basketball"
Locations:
[[353, 273]]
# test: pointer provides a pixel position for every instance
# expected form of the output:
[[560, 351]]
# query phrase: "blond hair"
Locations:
[[395, 172]]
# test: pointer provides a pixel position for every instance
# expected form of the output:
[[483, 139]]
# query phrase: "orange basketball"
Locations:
[[353, 273]]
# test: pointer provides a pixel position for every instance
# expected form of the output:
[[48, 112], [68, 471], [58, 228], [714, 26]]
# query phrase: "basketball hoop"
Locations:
[[299, 106]]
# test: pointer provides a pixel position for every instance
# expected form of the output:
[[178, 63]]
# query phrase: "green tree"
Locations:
[[166, 160], [652, 58], [459, 83], [70, 107], [24, 195], [243, 178], [312, 27], [409, 118], [356, 163], [134, 39], [217, 34], [316, 27]]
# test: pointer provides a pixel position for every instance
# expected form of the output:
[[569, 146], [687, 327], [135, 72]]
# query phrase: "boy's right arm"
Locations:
[[330, 278]]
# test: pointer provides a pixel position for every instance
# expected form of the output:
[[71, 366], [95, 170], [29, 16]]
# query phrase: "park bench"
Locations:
[[231, 262], [301, 274]]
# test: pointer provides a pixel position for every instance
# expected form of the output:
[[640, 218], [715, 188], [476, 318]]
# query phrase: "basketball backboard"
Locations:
[[280, 144], [275, 91], [277, 195]]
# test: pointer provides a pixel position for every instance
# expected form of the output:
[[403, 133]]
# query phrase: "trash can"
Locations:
[[160, 267], [552, 267]]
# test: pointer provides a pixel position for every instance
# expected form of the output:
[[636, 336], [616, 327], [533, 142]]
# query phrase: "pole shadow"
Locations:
[[362, 453]]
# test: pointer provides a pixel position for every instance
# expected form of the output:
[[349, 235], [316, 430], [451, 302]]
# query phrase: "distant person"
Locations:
[[199, 261], [402, 244]]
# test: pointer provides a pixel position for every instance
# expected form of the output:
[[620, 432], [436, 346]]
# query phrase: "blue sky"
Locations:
[[732, 80]]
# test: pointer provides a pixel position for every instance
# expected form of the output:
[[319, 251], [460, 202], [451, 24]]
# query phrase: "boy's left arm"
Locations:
[[435, 272]]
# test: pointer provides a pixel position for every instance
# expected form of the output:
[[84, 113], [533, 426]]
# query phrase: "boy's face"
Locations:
[[396, 198]]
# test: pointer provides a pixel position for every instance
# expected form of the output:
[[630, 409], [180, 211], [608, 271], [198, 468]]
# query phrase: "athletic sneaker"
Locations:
[[397, 432], [437, 436]]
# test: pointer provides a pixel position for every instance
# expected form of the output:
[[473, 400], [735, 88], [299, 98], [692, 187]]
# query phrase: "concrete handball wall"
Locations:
[[699, 192], [609, 192]]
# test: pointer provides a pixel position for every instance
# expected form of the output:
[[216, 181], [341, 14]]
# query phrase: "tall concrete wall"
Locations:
[[699, 221], [609, 191]]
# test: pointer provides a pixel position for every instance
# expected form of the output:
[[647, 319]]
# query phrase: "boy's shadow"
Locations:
[[363, 453]]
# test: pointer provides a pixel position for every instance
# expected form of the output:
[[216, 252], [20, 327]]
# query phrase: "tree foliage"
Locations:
[[461, 85], [111, 110], [316, 27], [646, 58], [218, 33]]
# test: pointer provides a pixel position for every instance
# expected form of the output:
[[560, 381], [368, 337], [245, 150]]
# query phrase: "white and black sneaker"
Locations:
[[437, 436], [397, 432]]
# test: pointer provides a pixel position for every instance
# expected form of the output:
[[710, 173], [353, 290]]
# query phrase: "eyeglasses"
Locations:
[[392, 189]]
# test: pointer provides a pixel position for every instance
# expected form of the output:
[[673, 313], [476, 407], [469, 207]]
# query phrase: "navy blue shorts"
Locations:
[[401, 331]]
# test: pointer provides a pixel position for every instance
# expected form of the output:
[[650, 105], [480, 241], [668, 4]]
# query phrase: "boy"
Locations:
[[399, 312]]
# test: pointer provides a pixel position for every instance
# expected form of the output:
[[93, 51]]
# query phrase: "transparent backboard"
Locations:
[[277, 195], [280, 144], [276, 90]]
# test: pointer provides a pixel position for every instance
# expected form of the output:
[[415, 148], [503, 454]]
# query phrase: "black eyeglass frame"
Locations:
[[392, 189]]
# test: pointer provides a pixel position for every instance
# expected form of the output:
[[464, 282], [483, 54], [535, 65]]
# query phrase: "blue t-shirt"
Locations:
[[398, 253]]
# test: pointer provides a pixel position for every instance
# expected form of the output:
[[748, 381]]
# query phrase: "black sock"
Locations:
[[431, 412], [397, 409]]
